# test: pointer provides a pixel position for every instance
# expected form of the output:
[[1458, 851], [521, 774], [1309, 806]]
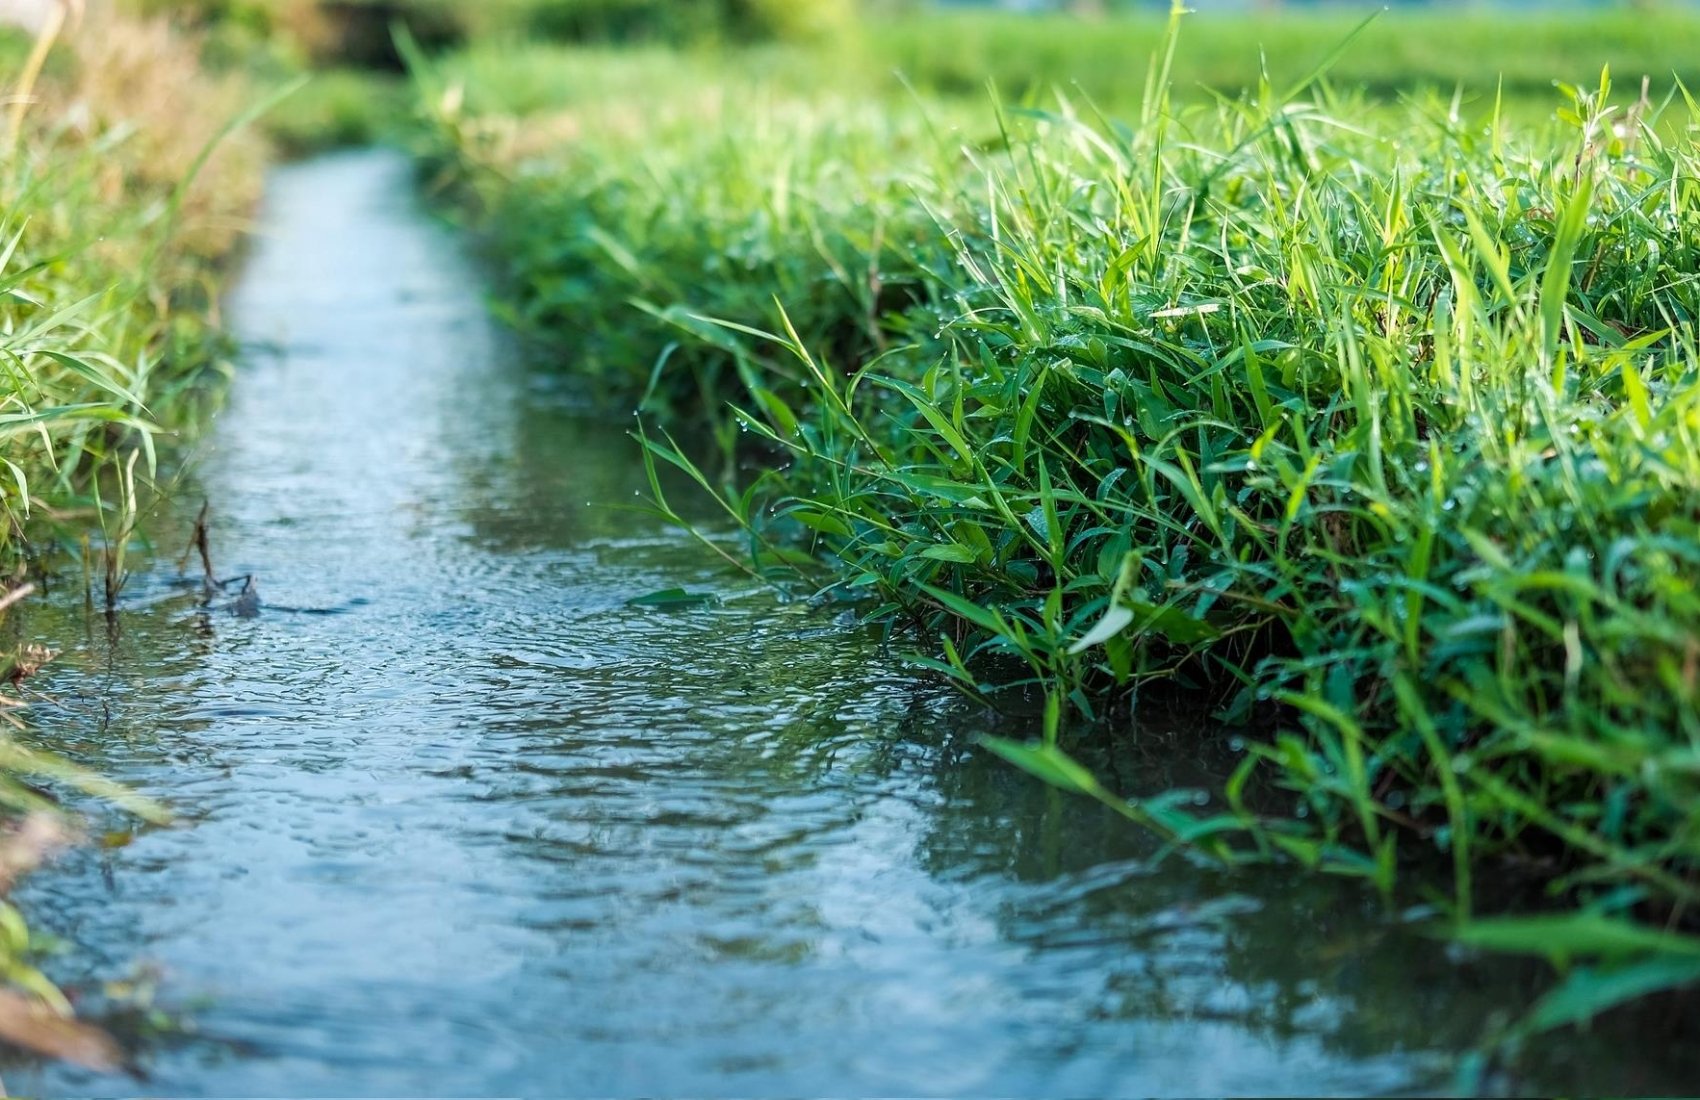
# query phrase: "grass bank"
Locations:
[[122, 197], [1371, 428], [114, 236]]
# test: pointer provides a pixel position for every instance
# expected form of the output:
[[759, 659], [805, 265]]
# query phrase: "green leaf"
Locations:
[[820, 521], [1636, 389], [940, 424], [989, 621], [1116, 619], [1047, 762], [672, 597], [1175, 625], [951, 551], [90, 373], [1555, 281], [1574, 935], [1589, 991]]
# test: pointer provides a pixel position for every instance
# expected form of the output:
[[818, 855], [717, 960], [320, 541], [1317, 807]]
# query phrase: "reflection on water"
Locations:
[[489, 829]]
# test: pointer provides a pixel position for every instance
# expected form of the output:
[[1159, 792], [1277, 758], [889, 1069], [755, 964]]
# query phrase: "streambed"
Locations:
[[478, 825]]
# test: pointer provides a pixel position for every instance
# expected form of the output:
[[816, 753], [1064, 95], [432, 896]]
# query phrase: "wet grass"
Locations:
[[123, 189], [1370, 428]]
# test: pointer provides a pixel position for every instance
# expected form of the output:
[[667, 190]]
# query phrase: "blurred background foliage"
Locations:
[[890, 50], [959, 51], [358, 31]]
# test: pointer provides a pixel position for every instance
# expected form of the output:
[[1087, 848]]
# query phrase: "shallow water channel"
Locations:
[[457, 819]]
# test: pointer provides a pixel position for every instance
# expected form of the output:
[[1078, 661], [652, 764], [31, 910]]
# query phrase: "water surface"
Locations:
[[457, 819]]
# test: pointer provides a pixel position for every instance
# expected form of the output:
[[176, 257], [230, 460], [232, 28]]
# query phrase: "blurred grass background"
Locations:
[[887, 48]]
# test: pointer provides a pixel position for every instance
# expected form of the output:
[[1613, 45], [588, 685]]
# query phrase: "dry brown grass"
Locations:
[[94, 178], [144, 76]]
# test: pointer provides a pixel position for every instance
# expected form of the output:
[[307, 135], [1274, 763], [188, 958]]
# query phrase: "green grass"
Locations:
[[1372, 429], [122, 200], [121, 196]]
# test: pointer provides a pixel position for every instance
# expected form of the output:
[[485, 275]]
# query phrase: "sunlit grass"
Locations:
[[115, 214], [1371, 429], [110, 238]]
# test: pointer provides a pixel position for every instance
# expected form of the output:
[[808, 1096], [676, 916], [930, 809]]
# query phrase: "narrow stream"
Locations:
[[457, 819]]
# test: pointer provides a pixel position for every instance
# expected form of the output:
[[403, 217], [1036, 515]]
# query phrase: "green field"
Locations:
[[1479, 50]]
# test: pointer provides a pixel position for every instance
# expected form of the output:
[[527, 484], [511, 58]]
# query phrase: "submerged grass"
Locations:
[[1374, 429]]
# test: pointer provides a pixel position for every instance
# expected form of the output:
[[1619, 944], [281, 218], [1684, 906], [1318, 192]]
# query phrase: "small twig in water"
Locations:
[[247, 604], [198, 543]]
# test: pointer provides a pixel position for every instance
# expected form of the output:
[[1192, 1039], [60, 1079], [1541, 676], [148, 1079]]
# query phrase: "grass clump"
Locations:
[[1374, 430], [121, 196], [628, 224], [116, 222]]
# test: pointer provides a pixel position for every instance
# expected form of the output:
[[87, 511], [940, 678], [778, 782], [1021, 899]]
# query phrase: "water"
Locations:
[[458, 820]]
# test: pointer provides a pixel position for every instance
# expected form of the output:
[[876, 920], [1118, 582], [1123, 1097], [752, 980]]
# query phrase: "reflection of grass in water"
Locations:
[[1372, 428]]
